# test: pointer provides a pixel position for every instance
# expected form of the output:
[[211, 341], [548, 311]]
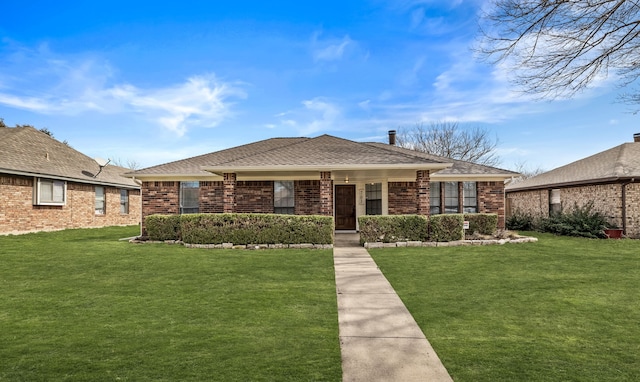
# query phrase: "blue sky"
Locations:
[[154, 81]]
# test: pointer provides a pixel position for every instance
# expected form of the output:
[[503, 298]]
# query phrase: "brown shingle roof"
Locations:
[[27, 151], [620, 162]]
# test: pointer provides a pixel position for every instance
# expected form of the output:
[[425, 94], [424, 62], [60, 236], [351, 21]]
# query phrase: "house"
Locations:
[[46, 185], [609, 179], [324, 175]]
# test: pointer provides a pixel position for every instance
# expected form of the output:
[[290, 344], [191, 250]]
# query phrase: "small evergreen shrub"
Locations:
[[520, 221], [580, 221], [393, 228], [163, 227], [483, 224], [449, 227]]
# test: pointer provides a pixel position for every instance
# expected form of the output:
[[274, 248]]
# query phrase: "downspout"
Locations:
[[624, 205]]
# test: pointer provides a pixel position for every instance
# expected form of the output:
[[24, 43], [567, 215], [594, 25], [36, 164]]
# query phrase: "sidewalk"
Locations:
[[379, 339]]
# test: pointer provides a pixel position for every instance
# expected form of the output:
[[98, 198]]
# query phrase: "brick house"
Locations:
[[609, 179], [46, 185], [324, 175]]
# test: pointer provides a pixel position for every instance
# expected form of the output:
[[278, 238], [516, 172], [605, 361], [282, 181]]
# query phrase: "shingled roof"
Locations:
[[618, 163], [28, 151], [324, 152]]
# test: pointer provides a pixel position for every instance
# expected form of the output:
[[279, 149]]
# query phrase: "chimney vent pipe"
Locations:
[[392, 137], [636, 137]]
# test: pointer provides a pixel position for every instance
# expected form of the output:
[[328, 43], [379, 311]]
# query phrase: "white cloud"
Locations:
[[330, 49], [73, 85]]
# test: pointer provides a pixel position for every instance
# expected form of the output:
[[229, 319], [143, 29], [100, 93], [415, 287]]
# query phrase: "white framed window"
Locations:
[[189, 197], [124, 202], [373, 193], [470, 193], [283, 197], [434, 198], [49, 192], [100, 200]]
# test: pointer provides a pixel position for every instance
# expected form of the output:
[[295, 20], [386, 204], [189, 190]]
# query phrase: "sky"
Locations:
[[149, 82]]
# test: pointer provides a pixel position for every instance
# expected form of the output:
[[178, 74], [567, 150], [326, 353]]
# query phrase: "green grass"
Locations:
[[79, 305], [562, 309]]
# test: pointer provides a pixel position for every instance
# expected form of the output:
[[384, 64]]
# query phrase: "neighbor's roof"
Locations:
[[325, 152], [27, 151], [619, 163]]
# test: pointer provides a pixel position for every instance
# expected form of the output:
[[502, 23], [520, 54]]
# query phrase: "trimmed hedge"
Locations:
[[393, 228], [449, 227], [242, 229], [163, 227], [483, 224]]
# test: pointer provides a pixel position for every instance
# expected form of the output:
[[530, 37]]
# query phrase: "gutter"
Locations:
[[68, 179]]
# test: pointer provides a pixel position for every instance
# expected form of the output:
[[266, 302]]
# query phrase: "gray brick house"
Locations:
[[324, 175], [46, 185], [609, 179]]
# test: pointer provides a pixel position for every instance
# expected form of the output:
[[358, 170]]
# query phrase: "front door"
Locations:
[[346, 207]]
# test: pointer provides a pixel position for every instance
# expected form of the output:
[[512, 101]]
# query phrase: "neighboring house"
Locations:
[[610, 180], [325, 175], [46, 185]]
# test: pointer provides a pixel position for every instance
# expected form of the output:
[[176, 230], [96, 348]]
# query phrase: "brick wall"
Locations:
[[403, 197], [18, 214], [211, 197], [606, 198], [254, 197], [307, 197], [491, 200]]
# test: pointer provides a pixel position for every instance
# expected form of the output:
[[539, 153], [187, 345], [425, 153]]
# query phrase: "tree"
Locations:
[[131, 164], [446, 139], [48, 132], [557, 48], [525, 172]]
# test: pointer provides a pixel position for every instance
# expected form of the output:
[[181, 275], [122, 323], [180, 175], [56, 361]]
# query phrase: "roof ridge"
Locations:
[[294, 142]]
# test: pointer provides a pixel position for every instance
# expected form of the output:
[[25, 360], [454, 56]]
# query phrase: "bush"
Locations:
[[483, 224], [393, 228], [520, 222], [446, 227], [163, 227], [580, 221], [242, 229]]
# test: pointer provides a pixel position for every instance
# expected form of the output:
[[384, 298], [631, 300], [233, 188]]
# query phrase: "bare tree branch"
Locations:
[[557, 48], [447, 139]]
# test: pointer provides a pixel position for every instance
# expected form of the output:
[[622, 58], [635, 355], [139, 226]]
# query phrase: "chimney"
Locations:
[[636, 137], [392, 137]]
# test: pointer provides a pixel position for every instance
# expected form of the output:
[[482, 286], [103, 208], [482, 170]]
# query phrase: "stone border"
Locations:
[[235, 246], [458, 243]]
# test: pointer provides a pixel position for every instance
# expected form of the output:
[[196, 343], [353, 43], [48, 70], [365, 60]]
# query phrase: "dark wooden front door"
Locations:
[[346, 207]]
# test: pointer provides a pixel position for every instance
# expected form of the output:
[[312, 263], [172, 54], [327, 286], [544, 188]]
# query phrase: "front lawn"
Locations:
[[562, 309], [79, 305]]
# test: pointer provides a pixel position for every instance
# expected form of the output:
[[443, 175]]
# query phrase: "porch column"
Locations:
[[326, 193], [422, 184], [229, 193]]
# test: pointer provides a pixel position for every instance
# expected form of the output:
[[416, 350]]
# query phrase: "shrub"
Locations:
[[520, 222], [446, 227], [483, 224], [393, 228], [580, 221], [242, 229], [163, 227]]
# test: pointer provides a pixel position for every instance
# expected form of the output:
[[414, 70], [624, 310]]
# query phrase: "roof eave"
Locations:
[[570, 184], [68, 179]]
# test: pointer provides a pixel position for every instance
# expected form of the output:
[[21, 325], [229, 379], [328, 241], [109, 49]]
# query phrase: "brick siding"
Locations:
[[402, 198], [18, 214], [254, 197], [211, 197], [307, 197], [606, 198], [491, 200]]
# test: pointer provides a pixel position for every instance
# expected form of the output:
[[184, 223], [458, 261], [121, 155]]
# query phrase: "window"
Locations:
[[373, 195], [451, 197], [50, 192], [124, 202], [470, 197], [283, 197], [434, 198], [100, 200], [555, 205], [189, 197]]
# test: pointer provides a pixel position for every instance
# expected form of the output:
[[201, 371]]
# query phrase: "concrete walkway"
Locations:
[[379, 339]]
